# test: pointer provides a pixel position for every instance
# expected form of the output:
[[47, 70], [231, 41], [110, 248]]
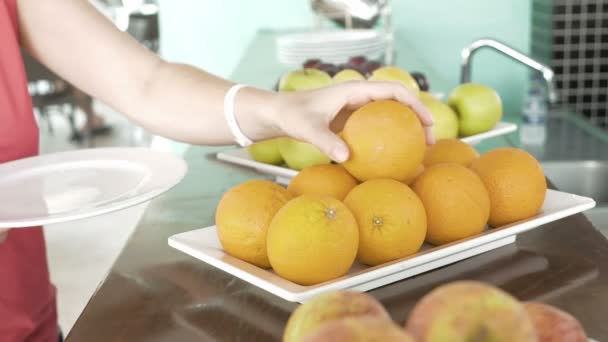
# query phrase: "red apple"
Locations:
[[554, 325]]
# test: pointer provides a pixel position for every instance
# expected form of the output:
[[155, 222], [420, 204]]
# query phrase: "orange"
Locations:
[[391, 218], [386, 140], [456, 202], [516, 184], [450, 151], [312, 239], [328, 179], [412, 178], [242, 218]]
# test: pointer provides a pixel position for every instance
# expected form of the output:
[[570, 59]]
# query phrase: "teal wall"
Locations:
[[429, 36], [213, 34], [437, 30]]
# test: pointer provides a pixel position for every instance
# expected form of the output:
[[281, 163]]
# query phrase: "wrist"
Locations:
[[258, 113]]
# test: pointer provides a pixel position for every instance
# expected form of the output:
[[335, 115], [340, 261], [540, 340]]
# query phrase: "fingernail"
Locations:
[[340, 154]]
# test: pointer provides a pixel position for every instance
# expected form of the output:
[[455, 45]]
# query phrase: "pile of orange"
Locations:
[[392, 195]]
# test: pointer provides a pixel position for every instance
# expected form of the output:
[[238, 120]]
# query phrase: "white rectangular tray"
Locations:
[[203, 244], [283, 174]]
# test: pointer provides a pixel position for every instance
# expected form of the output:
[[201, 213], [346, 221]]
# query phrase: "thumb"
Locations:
[[330, 144]]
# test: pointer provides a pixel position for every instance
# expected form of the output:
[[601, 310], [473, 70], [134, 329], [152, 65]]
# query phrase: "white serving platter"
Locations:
[[501, 128], [283, 174], [203, 244]]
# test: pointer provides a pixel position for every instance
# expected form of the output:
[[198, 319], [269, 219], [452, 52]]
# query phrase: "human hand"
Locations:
[[3, 235], [313, 116]]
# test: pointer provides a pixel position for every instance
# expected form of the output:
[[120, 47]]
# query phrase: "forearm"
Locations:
[[185, 103], [177, 101]]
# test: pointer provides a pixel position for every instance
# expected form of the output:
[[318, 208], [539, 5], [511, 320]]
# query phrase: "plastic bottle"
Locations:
[[534, 127]]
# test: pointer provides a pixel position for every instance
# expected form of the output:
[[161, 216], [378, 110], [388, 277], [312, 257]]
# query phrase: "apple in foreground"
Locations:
[[360, 329], [445, 120], [298, 154], [479, 108], [348, 75], [470, 311], [554, 325], [331, 306], [266, 152], [396, 74], [304, 79]]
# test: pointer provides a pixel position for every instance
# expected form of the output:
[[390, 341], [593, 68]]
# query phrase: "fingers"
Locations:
[[3, 235], [329, 143], [363, 92], [430, 137]]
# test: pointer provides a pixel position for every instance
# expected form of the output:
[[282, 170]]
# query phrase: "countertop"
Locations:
[[155, 293]]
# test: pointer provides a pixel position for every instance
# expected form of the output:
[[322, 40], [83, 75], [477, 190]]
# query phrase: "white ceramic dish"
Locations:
[[74, 185], [203, 244], [501, 128], [330, 46], [283, 174], [325, 38]]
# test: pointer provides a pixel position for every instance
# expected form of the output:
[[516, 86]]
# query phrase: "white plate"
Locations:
[[240, 156], [321, 38], [203, 244], [74, 185]]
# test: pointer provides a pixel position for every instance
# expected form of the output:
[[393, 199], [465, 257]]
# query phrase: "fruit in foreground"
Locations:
[[386, 140], [450, 151], [479, 108], [515, 182], [445, 120], [554, 325], [412, 177], [391, 219], [360, 329], [396, 74], [312, 239], [304, 79], [299, 154], [243, 216], [328, 307], [470, 311], [328, 179], [266, 152], [456, 201], [348, 75]]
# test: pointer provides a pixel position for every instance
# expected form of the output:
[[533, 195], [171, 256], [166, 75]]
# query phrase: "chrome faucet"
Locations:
[[467, 55]]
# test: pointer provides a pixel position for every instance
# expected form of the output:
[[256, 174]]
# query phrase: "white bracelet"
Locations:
[[229, 114]]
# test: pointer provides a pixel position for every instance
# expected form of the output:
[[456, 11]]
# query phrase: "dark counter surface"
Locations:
[[155, 293]]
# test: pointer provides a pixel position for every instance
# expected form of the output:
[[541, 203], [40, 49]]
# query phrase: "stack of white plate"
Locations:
[[330, 46]]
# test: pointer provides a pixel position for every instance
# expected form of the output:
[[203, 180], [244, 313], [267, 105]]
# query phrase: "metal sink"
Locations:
[[585, 178]]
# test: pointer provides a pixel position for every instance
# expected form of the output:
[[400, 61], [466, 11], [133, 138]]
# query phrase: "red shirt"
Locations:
[[27, 298]]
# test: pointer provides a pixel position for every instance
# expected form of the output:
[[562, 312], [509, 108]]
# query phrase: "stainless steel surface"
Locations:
[[154, 293], [586, 178], [468, 52]]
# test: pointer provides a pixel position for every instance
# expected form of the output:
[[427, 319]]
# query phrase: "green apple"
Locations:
[[445, 119], [393, 73], [298, 154], [304, 79], [479, 108], [348, 75], [266, 152]]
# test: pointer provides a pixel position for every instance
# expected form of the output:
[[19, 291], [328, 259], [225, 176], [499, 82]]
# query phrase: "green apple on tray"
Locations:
[[471, 108]]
